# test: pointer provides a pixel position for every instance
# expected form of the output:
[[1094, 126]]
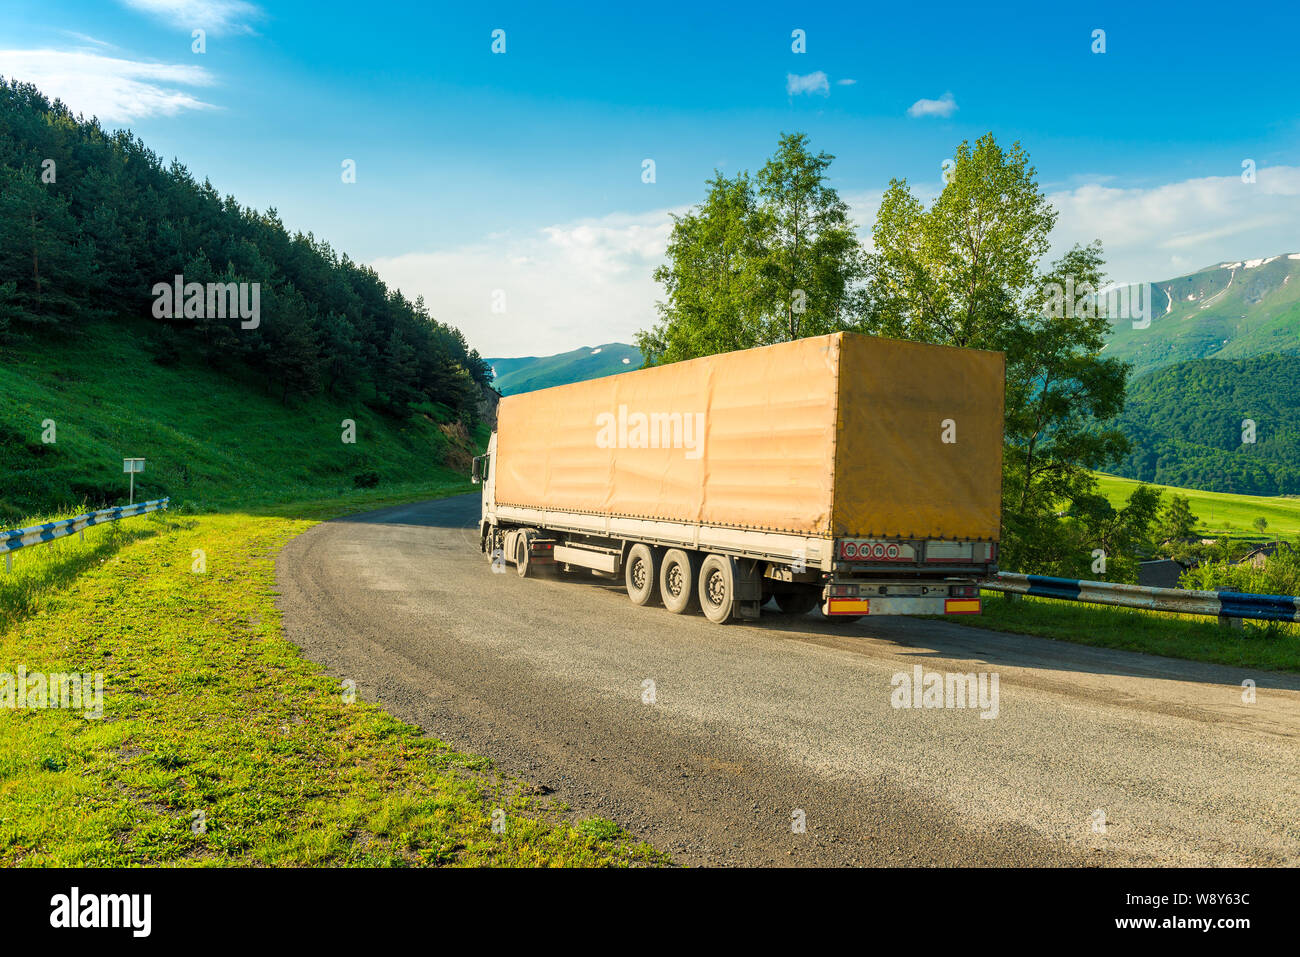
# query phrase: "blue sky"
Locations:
[[521, 171]]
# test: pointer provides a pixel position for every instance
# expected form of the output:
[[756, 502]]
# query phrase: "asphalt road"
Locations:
[[749, 725]]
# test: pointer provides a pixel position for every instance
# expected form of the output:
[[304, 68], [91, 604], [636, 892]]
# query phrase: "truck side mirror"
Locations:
[[477, 475]]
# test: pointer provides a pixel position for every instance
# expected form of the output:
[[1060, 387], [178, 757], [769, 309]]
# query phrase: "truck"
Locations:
[[855, 474]]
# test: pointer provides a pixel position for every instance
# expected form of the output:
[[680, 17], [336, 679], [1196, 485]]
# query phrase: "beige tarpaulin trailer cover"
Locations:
[[842, 435]]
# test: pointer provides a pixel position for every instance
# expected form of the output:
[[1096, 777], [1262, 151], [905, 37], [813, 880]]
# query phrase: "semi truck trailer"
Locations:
[[855, 474]]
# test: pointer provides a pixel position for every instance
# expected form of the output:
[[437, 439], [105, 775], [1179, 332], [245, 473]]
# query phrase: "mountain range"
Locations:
[[528, 373], [1232, 310]]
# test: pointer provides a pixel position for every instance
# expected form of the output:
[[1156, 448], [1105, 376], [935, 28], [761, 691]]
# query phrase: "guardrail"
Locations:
[[18, 538], [1227, 606]]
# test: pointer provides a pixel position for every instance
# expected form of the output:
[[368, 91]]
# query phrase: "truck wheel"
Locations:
[[795, 602], [677, 580], [717, 589], [522, 552], [641, 574]]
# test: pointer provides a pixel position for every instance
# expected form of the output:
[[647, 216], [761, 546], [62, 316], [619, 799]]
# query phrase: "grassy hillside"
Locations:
[[1227, 311], [529, 373], [1222, 512], [209, 438]]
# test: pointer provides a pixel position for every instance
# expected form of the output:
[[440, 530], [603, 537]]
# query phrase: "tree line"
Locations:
[[91, 221]]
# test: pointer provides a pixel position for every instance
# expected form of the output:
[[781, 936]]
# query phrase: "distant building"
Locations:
[[1258, 556], [1162, 573]]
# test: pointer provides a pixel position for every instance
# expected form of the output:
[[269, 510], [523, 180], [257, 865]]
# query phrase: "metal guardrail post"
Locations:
[[1228, 621]]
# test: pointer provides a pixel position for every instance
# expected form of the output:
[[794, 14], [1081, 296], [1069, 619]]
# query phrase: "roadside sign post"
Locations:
[[131, 466]]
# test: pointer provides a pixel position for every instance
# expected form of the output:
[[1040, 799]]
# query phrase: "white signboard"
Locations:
[[133, 465]]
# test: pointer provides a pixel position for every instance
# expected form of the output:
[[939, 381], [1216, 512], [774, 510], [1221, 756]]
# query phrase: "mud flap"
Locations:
[[747, 576]]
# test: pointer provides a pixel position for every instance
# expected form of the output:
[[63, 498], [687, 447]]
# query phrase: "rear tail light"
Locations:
[[844, 591], [964, 591]]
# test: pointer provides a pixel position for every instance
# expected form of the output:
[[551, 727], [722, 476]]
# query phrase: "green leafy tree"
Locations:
[[966, 272], [712, 302], [952, 273], [761, 260], [809, 259], [1176, 520], [1121, 535]]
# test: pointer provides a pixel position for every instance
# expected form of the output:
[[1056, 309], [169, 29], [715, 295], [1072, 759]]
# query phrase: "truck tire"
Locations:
[[494, 549], [677, 573], [717, 589], [641, 574], [522, 551], [795, 602]]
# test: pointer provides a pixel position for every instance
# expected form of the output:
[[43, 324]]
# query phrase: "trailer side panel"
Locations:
[[744, 440]]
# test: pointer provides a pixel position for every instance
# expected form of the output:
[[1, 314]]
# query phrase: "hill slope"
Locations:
[[1220, 512], [1186, 423], [1228, 311], [208, 439], [118, 234], [529, 373]]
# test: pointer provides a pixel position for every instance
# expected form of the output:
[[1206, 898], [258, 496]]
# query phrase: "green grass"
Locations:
[[1272, 647], [208, 438], [1216, 510], [207, 708]]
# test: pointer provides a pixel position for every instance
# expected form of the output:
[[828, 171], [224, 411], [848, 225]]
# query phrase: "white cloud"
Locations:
[[1155, 233], [214, 16], [110, 88], [812, 83], [945, 106], [845, 82], [566, 284], [88, 39]]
